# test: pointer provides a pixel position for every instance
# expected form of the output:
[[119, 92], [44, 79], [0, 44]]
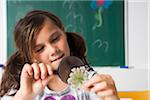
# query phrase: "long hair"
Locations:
[[77, 46], [25, 34]]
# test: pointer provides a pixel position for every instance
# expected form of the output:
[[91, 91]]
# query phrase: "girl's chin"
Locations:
[[56, 63]]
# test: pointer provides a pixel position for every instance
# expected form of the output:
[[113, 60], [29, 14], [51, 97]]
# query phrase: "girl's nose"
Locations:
[[53, 50]]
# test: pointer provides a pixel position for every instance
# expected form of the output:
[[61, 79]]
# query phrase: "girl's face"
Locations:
[[51, 45]]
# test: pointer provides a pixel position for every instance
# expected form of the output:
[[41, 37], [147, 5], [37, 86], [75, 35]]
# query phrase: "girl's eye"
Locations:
[[55, 39], [39, 49]]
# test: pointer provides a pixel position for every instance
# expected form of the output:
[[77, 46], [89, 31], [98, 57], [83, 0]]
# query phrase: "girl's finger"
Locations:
[[95, 79], [110, 79], [27, 70], [36, 71], [99, 86], [105, 93], [26, 76], [49, 68], [43, 70]]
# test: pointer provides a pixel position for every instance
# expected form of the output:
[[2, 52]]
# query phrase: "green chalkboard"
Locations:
[[101, 25]]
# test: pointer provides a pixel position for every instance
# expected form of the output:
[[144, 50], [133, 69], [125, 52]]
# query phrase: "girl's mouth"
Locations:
[[58, 58]]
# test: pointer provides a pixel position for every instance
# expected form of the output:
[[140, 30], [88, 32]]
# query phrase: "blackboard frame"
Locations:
[[90, 60]]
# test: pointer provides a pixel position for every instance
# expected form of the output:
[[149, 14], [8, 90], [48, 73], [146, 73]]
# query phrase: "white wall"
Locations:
[[132, 79], [138, 33], [3, 38], [3, 50], [149, 44]]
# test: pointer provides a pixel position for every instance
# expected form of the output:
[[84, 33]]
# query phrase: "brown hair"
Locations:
[[25, 34]]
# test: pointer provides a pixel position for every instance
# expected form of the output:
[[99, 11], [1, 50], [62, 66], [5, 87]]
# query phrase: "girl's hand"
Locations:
[[34, 78], [103, 86]]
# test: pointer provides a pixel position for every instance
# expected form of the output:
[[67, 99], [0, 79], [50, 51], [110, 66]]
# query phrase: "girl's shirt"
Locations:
[[67, 94]]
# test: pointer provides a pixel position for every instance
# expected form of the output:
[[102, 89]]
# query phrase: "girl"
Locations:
[[41, 43]]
